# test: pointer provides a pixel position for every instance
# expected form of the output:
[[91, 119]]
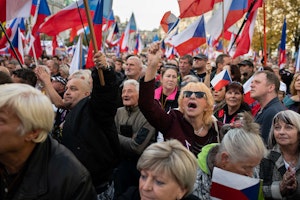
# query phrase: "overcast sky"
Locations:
[[148, 13]]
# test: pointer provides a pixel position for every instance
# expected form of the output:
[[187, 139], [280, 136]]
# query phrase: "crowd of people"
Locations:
[[155, 129]]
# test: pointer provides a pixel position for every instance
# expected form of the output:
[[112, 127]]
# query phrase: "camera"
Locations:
[[126, 130]]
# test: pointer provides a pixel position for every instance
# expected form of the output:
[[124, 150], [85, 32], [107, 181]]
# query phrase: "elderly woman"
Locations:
[[168, 171], [292, 101], [240, 151], [167, 93], [192, 124], [280, 168], [234, 103]]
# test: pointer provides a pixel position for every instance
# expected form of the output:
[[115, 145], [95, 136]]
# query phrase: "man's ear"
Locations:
[[32, 135]]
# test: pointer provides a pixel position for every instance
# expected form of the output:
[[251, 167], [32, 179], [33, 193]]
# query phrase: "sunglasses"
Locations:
[[188, 94]]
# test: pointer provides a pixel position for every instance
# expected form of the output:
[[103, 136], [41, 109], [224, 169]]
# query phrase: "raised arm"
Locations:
[[154, 56]]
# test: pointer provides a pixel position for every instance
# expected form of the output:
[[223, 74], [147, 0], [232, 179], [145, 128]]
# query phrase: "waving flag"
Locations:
[[236, 11], [78, 60], [67, 18], [220, 80], [169, 22], [282, 56], [191, 38], [228, 185], [97, 23], [130, 28], [11, 9], [297, 63], [33, 7], [11, 31], [244, 43], [112, 33], [43, 12], [192, 8], [108, 22], [18, 46]]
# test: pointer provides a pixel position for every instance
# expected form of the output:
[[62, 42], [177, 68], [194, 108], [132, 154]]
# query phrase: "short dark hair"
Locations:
[[28, 76], [220, 58], [188, 57], [271, 78]]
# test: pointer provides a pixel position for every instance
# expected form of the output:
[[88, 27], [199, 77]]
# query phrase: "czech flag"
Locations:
[[17, 44], [220, 80], [11, 31], [228, 185], [282, 56], [97, 23], [11, 9], [67, 18], [169, 22], [130, 28], [191, 38], [43, 12]]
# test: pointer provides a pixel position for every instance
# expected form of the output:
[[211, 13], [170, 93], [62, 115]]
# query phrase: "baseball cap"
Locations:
[[59, 79], [201, 56], [245, 63]]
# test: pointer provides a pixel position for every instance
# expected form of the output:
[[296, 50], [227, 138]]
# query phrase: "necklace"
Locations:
[[197, 132]]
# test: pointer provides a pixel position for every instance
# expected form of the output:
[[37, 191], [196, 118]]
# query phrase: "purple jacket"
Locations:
[[171, 124]]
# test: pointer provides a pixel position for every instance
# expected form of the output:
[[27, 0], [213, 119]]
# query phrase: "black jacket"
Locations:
[[89, 130], [53, 172]]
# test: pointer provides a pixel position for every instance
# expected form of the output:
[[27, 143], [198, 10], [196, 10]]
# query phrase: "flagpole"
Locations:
[[265, 35], [11, 45], [93, 38]]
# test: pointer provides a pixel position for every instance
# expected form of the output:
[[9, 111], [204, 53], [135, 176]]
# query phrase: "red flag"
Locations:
[[130, 28], [68, 17], [192, 8]]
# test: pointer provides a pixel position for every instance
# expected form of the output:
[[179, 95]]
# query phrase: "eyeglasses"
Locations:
[[188, 94]]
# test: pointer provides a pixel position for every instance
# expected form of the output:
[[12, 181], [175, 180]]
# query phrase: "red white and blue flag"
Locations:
[[11, 9], [282, 56], [221, 79], [130, 28], [69, 17], [112, 34], [245, 39], [11, 31], [97, 23], [190, 38], [17, 43], [42, 13], [34, 7], [192, 8], [108, 22], [228, 185], [169, 21]]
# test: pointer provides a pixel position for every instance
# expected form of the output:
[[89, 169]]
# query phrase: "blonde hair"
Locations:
[[85, 75], [173, 158], [33, 108], [207, 114]]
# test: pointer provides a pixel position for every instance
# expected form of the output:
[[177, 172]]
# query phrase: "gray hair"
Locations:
[[173, 158], [245, 142], [132, 82], [33, 108], [288, 117]]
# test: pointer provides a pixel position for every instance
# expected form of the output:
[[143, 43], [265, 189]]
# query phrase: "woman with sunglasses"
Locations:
[[192, 123]]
